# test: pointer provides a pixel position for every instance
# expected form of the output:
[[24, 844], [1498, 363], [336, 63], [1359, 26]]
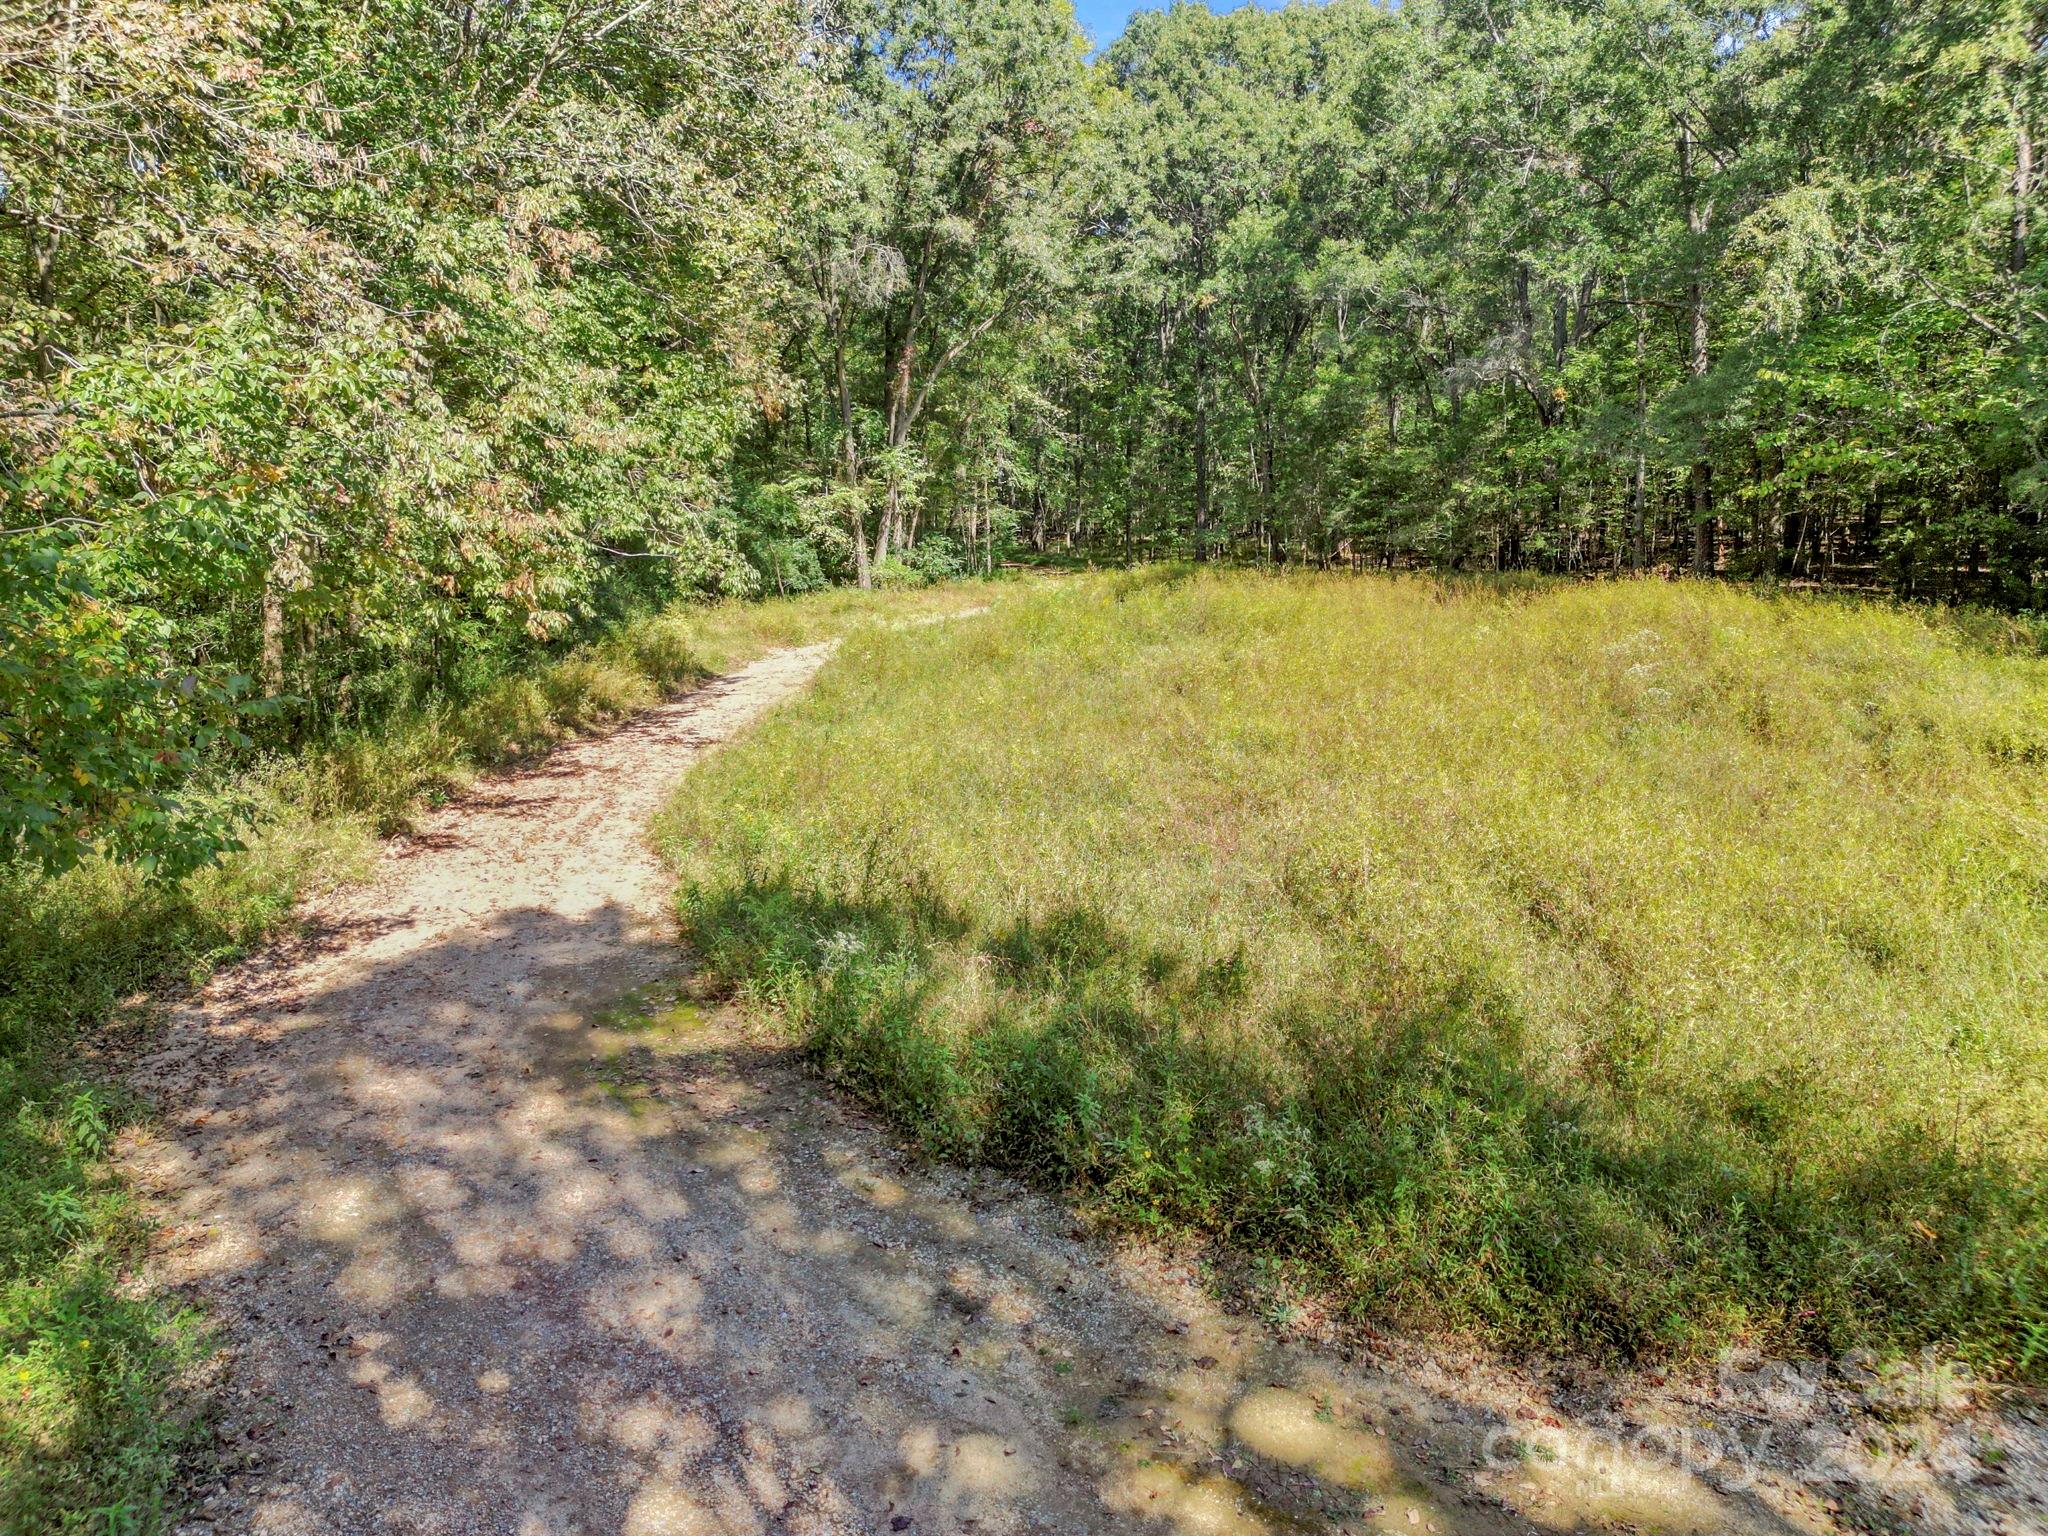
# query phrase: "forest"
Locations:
[[356, 355], [1521, 522]]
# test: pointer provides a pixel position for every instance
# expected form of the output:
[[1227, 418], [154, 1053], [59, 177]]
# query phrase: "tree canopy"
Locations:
[[349, 355]]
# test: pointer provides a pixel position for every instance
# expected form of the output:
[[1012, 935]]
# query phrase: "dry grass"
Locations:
[[1641, 967]]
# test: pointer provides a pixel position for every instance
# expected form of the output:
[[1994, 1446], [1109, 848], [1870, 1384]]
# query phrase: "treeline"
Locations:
[[1555, 284], [354, 353], [351, 355]]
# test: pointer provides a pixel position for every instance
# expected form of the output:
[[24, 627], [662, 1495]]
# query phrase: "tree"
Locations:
[[949, 221], [361, 351]]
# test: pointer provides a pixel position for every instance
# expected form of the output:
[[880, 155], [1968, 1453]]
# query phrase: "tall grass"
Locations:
[[89, 1432], [1634, 967]]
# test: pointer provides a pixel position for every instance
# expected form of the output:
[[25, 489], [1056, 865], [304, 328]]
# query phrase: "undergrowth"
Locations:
[[90, 1434], [1640, 968]]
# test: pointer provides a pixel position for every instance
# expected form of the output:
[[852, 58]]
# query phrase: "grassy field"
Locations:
[[1631, 967], [91, 1429]]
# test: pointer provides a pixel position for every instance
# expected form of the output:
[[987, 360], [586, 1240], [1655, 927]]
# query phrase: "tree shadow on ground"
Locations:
[[519, 1242]]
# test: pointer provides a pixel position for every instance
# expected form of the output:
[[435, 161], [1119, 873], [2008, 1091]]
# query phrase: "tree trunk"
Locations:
[[891, 510], [897, 431], [1701, 490], [849, 458], [1791, 533], [45, 236], [1265, 433], [1638, 555], [2022, 197], [283, 566], [1701, 497], [1201, 330]]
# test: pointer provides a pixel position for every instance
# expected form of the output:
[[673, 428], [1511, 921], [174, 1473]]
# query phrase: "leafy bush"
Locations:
[[937, 557], [102, 729], [796, 537], [787, 567], [926, 563]]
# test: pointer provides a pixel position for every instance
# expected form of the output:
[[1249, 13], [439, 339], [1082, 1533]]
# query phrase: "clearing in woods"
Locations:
[[509, 1235]]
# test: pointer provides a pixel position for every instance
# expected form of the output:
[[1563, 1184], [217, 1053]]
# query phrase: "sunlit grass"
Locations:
[[384, 775], [1639, 966]]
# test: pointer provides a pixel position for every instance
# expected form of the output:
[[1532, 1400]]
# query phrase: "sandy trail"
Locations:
[[506, 1238]]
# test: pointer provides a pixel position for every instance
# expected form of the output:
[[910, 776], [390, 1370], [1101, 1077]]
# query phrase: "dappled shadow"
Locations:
[[510, 1236], [1088, 1064], [519, 1255], [1402, 1129]]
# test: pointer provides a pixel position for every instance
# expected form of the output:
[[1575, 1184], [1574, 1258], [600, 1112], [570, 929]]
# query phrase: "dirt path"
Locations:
[[505, 1238]]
